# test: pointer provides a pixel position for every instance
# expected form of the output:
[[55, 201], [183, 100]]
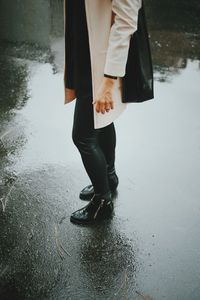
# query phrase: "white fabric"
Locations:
[[126, 18]]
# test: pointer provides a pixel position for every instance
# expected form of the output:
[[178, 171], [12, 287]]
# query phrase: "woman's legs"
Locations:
[[96, 146], [85, 137]]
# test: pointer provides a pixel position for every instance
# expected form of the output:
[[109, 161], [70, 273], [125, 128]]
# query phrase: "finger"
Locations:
[[103, 107], [97, 107], [107, 106], [112, 104]]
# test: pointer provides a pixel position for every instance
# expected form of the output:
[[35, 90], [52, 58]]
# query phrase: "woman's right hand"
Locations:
[[104, 101]]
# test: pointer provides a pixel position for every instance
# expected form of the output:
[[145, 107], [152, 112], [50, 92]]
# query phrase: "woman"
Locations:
[[97, 40]]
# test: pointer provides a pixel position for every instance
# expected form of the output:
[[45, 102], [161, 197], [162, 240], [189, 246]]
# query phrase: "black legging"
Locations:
[[96, 146]]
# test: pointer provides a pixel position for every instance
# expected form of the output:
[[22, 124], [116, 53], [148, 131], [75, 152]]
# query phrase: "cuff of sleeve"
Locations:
[[114, 69], [110, 76]]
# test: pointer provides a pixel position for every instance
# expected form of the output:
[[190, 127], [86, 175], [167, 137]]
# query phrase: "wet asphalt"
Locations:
[[150, 249]]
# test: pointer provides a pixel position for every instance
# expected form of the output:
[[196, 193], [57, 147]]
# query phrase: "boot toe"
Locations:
[[80, 216], [87, 192]]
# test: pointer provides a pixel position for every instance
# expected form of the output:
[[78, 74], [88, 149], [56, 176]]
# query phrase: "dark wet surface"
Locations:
[[151, 247]]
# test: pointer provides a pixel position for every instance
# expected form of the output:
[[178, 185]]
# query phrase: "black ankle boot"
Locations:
[[99, 208], [88, 192]]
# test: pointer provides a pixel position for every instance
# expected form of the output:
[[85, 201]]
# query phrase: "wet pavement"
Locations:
[[151, 247]]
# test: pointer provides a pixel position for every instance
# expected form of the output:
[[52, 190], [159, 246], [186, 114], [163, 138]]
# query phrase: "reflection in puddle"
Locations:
[[109, 261]]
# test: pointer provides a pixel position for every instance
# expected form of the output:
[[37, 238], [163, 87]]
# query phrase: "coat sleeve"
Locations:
[[125, 24]]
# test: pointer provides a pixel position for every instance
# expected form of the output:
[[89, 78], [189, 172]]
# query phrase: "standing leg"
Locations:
[[85, 138]]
